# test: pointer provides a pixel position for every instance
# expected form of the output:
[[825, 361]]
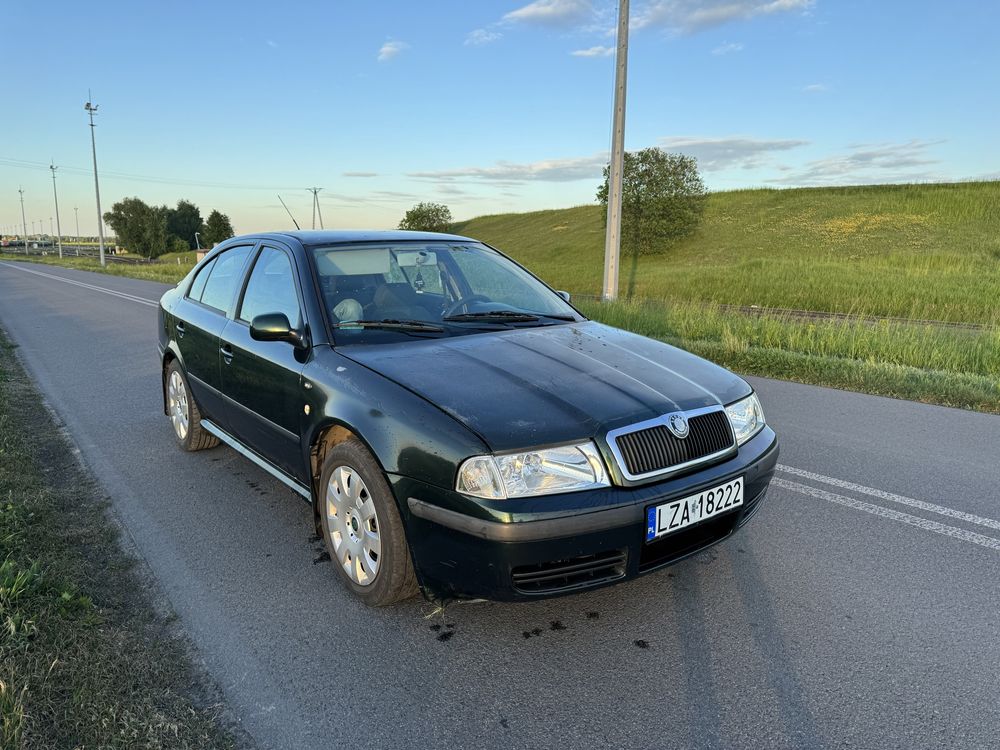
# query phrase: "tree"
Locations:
[[140, 228], [216, 229], [663, 198], [427, 217], [184, 221]]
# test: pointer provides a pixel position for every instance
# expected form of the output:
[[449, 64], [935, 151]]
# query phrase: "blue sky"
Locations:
[[487, 106]]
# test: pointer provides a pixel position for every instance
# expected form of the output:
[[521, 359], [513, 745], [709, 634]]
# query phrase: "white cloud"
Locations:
[[360, 174], [728, 48], [594, 52], [482, 36], [551, 12], [694, 15], [390, 49], [717, 153], [548, 170], [868, 163], [815, 88]]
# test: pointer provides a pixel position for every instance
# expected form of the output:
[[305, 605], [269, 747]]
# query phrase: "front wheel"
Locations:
[[184, 415], [361, 527]]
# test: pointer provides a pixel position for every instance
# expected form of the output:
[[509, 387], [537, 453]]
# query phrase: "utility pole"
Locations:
[[613, 239], [55, 195], [92, 110], [316, 208], [24, 222]]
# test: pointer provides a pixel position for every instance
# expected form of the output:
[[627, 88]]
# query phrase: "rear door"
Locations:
[[201, 318], [262, 379]]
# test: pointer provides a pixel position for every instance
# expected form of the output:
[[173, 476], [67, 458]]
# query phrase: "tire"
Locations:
[[361, 527], [185, 418]]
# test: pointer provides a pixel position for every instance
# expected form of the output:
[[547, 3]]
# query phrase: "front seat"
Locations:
[[399, 300]]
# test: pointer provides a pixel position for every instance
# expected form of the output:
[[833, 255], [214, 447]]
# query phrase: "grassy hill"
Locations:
[[912, 251], [916, 252]]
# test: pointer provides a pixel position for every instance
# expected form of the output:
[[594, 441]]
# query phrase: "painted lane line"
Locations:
[[92, 287], [892, 497], [895, 515]]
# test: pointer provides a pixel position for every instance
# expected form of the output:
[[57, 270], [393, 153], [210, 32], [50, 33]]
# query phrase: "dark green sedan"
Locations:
[[456, 425]]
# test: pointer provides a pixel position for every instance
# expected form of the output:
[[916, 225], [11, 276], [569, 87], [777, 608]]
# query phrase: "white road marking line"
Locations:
[[112, 292], [892, 497], [895, 515]]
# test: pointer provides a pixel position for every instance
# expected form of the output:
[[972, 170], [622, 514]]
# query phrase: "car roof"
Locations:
[[344, 236]]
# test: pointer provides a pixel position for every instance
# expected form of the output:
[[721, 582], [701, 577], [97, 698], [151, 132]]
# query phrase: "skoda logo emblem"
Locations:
[[678, 425]]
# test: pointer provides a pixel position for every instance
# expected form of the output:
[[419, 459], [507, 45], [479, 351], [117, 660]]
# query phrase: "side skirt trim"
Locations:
[[263, 463]]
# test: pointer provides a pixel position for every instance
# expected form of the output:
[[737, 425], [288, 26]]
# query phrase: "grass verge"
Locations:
[[934, 365], [165, 273], [85, 659]]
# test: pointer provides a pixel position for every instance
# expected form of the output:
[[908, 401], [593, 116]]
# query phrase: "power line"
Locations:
[[25, 164]]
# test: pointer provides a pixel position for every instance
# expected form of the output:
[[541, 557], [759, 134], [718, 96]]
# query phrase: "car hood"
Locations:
[[536, 386]]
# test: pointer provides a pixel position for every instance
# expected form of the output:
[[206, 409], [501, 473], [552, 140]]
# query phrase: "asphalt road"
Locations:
[[858, 609]]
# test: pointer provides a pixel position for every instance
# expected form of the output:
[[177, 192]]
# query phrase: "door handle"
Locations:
[[180, 329], [227, 353]]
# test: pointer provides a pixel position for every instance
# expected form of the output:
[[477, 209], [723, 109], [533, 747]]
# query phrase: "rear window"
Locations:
[[198, 287], [224, 277]]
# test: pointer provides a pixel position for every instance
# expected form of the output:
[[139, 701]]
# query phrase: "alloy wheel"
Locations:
[[353, 525]]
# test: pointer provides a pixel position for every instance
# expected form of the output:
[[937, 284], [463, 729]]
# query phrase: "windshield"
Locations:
[[372, 291]]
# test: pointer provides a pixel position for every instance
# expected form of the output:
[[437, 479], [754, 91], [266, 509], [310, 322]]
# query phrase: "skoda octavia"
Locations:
[[456, 425]]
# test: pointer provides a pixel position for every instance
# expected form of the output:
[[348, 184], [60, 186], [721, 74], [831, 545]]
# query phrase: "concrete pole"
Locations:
[[55, 196], [24, 221], [91, 109], [613, 239]]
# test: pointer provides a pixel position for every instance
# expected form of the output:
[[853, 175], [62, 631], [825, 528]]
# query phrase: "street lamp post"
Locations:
[[197, 242], [92, 110], [55, 196], [613, 239]]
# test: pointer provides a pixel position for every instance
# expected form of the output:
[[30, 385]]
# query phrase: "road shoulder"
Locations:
[[92, 655]]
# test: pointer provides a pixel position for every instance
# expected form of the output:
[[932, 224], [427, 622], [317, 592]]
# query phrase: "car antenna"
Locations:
[[290, 215]]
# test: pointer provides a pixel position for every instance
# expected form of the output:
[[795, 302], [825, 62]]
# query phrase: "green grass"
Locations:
[[85, 661], [911, 251], [947, 366], [167, 273]]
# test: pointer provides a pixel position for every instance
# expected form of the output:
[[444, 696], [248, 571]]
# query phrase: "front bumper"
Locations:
[[566, 543]]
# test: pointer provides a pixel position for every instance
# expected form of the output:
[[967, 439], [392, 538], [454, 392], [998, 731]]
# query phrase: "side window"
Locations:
[[271, 288], [198, 287], [224, 278]]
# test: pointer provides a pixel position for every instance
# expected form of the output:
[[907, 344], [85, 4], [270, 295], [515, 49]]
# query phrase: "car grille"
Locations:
[[655, 449], [567, 575]]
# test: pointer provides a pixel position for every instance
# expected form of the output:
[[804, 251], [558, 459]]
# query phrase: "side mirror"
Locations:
[[564, 295], [274, 327]]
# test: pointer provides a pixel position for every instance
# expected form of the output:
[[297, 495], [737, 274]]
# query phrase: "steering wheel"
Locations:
[[464, 302]]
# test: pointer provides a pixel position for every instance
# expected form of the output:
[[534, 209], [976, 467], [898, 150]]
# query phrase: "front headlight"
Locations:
[[746, 417], [543, 472]]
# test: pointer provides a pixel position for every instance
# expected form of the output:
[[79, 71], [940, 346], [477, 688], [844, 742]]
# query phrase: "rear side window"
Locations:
[[224, 278], [271, 288], [200, 280]]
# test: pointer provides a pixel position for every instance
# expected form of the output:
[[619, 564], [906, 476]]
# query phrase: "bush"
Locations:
[[663, 198], [427, 217]]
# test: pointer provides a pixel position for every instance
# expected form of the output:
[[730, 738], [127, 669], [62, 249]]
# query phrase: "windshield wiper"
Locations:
[[391, 325], [503, 316]]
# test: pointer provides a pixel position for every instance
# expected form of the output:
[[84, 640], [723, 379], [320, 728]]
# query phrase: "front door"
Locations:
[[262, 379]]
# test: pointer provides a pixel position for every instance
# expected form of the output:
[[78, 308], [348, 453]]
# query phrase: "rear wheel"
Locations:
[[184, 415], [362, 528]]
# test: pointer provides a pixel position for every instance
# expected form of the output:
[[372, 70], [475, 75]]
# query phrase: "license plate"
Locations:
[[679, 514]]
